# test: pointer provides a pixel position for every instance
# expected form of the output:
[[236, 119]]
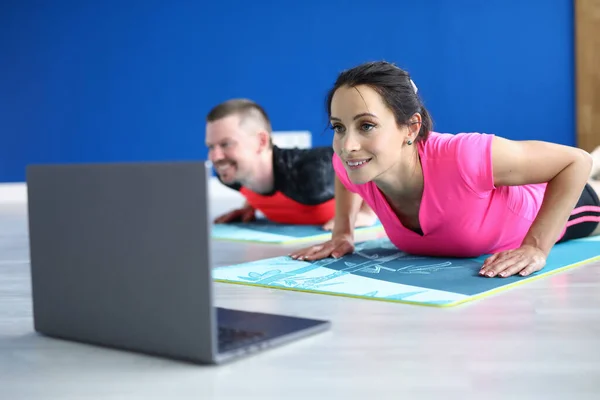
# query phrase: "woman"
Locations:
[[462, 195]]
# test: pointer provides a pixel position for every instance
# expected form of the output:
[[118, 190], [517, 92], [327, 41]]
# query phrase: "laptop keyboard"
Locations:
[[230, 338]]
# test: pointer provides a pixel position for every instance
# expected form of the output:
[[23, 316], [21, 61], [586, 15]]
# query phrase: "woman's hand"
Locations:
[[336, 248], [523, 261]]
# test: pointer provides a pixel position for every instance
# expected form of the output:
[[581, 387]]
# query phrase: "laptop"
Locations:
[[120, 257]]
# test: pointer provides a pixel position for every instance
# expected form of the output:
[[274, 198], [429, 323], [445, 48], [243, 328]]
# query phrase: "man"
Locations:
[[288, 186]]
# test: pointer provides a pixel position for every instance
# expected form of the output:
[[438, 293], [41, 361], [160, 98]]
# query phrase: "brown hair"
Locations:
[[245, 108], [395, 87]]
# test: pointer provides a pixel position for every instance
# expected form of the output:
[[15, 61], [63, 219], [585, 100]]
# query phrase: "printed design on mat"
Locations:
[[377, 270], [371, 258]]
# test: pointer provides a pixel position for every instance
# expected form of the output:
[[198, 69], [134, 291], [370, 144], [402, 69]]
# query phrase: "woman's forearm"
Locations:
[[561, 196], [347, 205]]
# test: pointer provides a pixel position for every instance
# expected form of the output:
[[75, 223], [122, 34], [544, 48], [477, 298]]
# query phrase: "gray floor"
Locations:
[[538, 341]]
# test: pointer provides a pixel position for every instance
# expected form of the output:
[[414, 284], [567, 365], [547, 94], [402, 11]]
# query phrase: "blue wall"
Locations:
[[97, 81]]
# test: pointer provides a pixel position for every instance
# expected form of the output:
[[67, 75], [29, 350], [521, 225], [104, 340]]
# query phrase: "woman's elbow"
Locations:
[[585, 160]]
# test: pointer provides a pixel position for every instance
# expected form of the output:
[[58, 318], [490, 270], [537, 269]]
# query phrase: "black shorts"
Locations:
[[584, 217]]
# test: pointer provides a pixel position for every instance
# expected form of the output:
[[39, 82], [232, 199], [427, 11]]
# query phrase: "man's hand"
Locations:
[[244, 214]]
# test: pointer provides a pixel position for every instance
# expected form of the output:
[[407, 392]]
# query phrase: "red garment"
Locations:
[[279, 208]]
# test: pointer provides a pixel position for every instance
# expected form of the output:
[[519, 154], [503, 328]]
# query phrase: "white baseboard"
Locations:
[[13, 193], [291, 139], [219, 191], [16, 193]]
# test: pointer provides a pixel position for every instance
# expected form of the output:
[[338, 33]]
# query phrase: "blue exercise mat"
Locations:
[[264, 231], [378, 271]]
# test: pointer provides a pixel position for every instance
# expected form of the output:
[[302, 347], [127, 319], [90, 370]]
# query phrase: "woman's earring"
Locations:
[[409, 142]]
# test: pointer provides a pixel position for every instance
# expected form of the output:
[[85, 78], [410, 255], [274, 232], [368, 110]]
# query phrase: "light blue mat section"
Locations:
[[377, 270], [263, 231]]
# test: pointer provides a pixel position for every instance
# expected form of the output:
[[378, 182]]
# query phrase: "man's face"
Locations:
[[231, 149]]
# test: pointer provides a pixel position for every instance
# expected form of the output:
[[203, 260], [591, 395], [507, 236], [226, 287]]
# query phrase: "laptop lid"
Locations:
[[120, 256]]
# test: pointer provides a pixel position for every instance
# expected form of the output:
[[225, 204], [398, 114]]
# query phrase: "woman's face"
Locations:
[[366, 136]]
